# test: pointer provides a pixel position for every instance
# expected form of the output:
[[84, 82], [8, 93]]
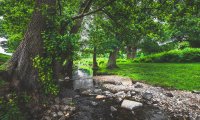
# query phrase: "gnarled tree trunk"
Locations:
[[20, 68], [112, 59]]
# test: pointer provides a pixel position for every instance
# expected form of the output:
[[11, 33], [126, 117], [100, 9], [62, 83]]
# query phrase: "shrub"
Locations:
[[185, 55], [3, 58]]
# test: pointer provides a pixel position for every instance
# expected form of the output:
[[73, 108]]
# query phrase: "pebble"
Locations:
[[147, 96], [60, 113], [67, 101], [94, 103], [57, 100]]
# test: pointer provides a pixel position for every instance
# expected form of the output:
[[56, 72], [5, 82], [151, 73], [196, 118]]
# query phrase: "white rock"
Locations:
[[100, 97], [113, 109], [120, 94], [130, 105], [60, 113], [128, 94], [97, 91], [94, 103]]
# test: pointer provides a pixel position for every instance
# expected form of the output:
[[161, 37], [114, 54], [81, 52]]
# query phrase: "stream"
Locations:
[[90, 108]]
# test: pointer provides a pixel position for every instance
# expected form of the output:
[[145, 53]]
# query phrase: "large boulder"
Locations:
[[130, 105]]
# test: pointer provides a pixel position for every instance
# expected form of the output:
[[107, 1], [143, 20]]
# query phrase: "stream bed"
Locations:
[[90, 108]]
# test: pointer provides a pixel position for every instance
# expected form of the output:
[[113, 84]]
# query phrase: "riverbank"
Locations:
[[182, 104], [180, 76]]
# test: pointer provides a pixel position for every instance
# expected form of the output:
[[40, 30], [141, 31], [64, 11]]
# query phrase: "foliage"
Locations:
[[16, 16], [182, 76], [3, 58], [45, 74], [185, 55], [10, 110]]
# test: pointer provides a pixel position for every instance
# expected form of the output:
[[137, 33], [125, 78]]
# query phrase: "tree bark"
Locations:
[[20, 68], [131, 52], [95, 64], [112, 59]]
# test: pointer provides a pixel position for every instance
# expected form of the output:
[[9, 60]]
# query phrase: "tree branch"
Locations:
[[94, 11], [86, 7]]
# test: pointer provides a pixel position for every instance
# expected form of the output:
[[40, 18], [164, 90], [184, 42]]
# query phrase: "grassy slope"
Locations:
[[172, 75]]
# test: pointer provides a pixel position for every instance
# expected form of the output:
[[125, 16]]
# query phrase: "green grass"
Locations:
[[171, 75], [182, 76]]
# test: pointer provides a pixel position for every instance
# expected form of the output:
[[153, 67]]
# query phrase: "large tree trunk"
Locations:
[[23, 74], [112, 59], [131, 52]]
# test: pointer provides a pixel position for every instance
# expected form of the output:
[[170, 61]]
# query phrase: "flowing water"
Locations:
[[89, 108]]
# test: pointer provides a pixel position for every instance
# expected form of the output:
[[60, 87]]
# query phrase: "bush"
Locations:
[[185, 55], [3, 58]]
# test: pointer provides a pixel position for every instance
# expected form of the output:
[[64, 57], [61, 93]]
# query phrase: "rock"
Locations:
[[133, 93], [169, 94], [138, 85], [76, 96], [130, 105], [86, 92], [133, 112], [47, 118], [54, 114], [106, 92], [113, 109], [67, 101], [97, 91], [128, 94], [100, 97], [63, 118], [94, 103], [147, 96], [48, 111], [196, 92], [57, 100], [118, 99], [64, 107], [120, 94], [60, 113], [56, 107], [72, 108]]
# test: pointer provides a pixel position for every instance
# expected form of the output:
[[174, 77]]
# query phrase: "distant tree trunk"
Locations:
[[112, 59], [20, 68], [131, 52], [95, 64]]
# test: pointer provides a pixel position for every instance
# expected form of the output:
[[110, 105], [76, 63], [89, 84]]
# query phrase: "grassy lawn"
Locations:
[[172, 75], [183, 76]]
